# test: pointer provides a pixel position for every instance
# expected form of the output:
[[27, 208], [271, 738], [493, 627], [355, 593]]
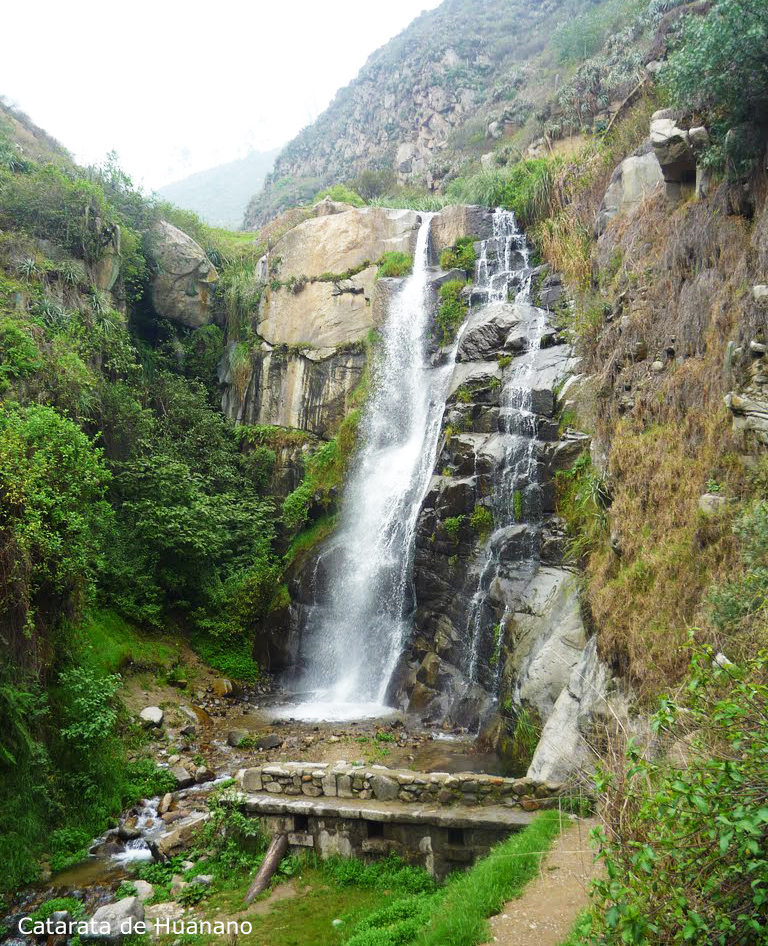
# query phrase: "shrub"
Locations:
[[524, 188], [19, 354], [341, 193], [481, 520], [721, 65], [452, 526]]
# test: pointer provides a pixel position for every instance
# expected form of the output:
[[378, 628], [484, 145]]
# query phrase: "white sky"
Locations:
[[176, 87]]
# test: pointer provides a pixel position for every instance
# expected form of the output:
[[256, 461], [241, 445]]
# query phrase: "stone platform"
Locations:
[[438, 821]]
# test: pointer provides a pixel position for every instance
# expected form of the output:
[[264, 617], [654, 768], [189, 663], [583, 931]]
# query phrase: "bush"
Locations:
[[721, 66], [53, 482], [524, 188], [481, 520], [341, 193]]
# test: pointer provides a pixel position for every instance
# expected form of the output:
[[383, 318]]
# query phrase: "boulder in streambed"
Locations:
[[113, 922], [236, 737]]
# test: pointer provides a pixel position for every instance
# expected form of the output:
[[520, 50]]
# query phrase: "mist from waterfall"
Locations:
[[359, 631]]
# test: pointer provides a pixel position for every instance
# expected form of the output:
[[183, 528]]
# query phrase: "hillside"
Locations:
[[219, 195], [469, 78]]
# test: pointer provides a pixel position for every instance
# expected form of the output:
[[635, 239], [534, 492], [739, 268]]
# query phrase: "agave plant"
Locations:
[[28, 268], [52, 314], [69, 273]]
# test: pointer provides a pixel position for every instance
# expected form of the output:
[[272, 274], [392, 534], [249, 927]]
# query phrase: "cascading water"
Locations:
[[503, 269], [360, 629]]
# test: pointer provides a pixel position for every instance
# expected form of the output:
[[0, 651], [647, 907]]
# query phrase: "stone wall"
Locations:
[[315, 780]]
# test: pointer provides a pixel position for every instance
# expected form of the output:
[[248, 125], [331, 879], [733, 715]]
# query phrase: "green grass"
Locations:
[[472, 897], [112, 644]]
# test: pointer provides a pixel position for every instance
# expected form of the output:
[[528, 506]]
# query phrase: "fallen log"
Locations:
[[275, 853]]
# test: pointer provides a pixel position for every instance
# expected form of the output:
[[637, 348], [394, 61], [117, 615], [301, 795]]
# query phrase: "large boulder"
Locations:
[[337, 242], [181, 289], [636, 178], [114, 922], [676, 150]]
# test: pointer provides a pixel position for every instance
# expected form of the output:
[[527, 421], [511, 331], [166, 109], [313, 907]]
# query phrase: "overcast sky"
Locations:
[[176, 87]]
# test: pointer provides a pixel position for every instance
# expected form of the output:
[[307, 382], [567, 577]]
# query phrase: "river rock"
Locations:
[[182, 776], [204, 774], [151, 716], [182, 286], [222, 687], [165, 803], [272, 741], [236, 736], [120, 918], [175, 841], [144, 890]]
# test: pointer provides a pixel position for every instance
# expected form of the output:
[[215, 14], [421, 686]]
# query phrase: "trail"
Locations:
[[547, 910]]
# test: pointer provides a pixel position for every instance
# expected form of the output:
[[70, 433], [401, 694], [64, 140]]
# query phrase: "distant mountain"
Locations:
[[220, 195]]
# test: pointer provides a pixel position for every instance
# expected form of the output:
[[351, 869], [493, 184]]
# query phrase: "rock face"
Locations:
[[313, 327], [534, 609], [181, 289]]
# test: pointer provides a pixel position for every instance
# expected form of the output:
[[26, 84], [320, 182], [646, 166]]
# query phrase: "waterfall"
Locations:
[[503, 269], [361, 627]]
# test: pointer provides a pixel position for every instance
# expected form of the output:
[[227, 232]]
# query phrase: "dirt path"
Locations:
[[546, 912]]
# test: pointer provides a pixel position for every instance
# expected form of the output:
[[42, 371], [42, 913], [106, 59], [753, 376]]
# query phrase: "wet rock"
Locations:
[[204, 774], [128, 832], [175, 841], [272, 741], [182, 776], [119, 918], [223, 687], [487, 330], [151, 716]]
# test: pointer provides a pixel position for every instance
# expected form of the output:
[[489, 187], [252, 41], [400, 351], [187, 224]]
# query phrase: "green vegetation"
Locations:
[[452, 526], [524, 188], [325, 470], [687, 862], [342, 193], [452, 310], [460, 256], [720, 66], [582, 500], [395, 263], [481, 520]]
